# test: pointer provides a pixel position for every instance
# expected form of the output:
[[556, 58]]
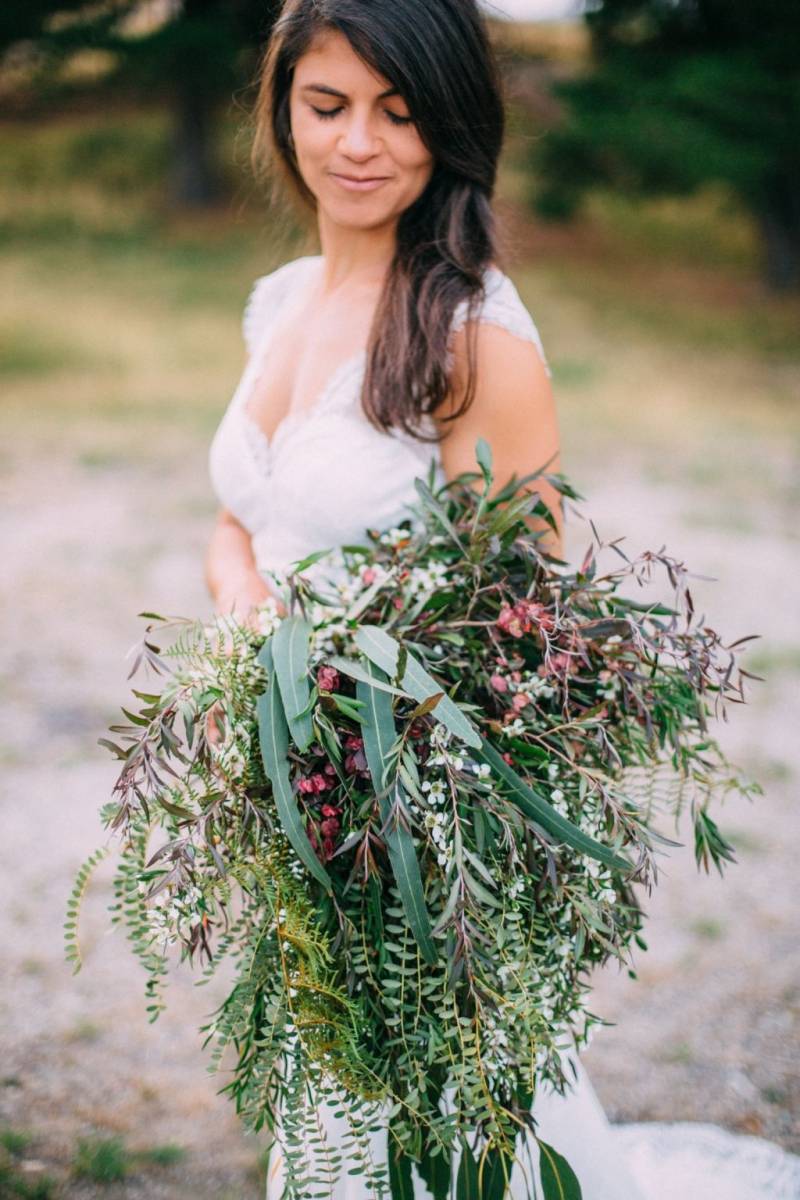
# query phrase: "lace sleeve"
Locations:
[[254, 312], [503, 306], [264, 298]]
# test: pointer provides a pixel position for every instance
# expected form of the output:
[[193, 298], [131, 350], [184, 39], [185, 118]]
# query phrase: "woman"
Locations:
[[401, 342]]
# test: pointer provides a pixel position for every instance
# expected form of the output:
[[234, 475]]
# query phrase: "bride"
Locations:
[[402, 342]]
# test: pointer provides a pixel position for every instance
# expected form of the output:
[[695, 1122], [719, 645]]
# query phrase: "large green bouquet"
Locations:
[[438, 778]]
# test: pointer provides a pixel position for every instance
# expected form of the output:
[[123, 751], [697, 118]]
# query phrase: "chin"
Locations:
[[359, 215]]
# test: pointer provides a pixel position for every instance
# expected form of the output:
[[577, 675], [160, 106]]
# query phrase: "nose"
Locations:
[[358, 138]]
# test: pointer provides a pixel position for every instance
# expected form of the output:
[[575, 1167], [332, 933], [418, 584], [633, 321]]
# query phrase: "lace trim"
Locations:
[[338, 394], [251, 319], [257, 305], [503, 306]]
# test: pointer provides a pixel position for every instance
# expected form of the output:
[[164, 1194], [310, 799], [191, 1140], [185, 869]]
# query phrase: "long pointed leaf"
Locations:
[[433, 506], [290, 655], [559, 1181], [401, 1183], [384, 651], [467, 1177], [435, 1172], [379, 733], [538, 809], [354, 670], [494, 1174], [273, 735]]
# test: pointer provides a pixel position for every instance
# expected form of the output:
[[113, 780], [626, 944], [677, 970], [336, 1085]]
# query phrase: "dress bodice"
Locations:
[[326, 474]]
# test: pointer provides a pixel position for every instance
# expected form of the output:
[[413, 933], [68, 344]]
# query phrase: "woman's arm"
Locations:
[[513, 409], [231, 576]]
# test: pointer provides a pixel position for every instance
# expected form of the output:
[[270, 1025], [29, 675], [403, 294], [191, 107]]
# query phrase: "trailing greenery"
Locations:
[[417, 828]]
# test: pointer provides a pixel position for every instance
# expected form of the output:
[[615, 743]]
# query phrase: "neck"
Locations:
[[359, 257]]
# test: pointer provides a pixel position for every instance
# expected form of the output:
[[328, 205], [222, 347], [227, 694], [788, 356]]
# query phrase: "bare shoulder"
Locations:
[[512, 380], [513, 406]]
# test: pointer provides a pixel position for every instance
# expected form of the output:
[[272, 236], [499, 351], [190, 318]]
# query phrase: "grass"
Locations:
[[109, 1160], [708, 929], [17, 1182]]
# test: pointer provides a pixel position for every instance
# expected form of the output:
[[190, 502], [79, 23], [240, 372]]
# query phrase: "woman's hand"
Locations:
[[236, 588], [242, 601], [242, 597]]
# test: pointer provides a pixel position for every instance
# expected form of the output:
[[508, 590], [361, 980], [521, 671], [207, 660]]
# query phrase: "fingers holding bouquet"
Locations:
[[245, 601]]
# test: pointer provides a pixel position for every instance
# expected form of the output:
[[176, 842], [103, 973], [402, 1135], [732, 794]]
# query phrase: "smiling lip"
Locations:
[[359, 185]]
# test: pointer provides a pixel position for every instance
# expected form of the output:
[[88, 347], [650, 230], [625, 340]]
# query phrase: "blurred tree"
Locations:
[[680, 93], [192, 53]]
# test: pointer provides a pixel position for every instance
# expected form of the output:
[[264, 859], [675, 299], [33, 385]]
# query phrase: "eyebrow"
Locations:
[[329, 91]]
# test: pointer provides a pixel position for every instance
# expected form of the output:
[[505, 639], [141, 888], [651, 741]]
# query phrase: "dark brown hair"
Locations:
[[437, 53]]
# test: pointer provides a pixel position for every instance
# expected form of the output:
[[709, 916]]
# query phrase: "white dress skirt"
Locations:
[[324, 476], [649, 1160]]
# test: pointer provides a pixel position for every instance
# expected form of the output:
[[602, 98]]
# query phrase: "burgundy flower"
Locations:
[[327, 678], [356, 760], [312, 784], [355, 763]]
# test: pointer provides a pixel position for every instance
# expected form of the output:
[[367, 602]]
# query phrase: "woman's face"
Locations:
[[356, 146]]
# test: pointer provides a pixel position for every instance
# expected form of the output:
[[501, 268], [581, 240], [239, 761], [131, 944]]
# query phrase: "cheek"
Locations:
[[311, 137], [414, 157]]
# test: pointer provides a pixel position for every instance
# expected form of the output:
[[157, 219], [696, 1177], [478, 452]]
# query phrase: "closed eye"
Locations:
[[327, 113]]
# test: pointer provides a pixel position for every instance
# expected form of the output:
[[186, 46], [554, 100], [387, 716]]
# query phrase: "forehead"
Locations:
[[332, 61]]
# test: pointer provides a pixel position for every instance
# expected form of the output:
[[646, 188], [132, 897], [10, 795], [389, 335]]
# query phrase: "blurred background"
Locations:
[[650, 202]]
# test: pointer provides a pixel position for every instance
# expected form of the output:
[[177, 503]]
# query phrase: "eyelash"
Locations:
[[327, 113]]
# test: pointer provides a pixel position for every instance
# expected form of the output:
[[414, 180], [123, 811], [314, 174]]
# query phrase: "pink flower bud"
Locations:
[[499, 683], [327, 679]]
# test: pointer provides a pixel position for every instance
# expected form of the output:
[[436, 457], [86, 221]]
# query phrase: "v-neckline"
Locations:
[[268, 441]]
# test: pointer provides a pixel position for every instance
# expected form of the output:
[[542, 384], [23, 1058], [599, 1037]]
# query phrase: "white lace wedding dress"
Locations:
[[324, 476]]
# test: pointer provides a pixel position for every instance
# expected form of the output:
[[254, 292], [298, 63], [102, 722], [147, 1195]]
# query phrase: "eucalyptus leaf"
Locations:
[[290, 647], [354, 670], [273, 736], [467, 1177], [302, 563], [380, 735], [435, 1172], [483, 456], [494, 1173], [400, 1179], [540, 810], [559, 1181], [432, 504], [385, 652]]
